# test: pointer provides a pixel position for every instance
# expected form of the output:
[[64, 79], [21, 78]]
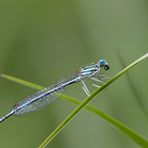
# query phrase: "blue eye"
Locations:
[[102, 62]]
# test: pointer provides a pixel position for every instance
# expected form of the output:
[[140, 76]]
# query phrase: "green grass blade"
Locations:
[[85, 101], [132, 134], [22, 82], [120, 126], [137, 94]]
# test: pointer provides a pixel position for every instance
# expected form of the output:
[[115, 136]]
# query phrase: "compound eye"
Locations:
[[102, 62]]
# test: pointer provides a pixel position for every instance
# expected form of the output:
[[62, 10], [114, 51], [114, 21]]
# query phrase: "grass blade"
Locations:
[[22, 82], [129, 132], [114, 122], [137, 94], [86, 100]]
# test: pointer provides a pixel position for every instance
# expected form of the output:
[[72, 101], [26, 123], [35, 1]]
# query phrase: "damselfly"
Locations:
[[47, 95]]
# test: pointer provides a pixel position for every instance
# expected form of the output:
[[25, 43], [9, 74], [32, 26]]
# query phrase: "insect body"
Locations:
[[47, 95]]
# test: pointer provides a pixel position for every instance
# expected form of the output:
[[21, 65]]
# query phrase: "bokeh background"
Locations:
[[42, 41]]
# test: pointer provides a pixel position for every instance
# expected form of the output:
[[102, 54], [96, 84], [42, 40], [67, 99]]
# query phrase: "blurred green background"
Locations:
[[42, 41]]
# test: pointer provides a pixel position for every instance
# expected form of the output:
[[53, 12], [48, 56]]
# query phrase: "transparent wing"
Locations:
[[38, 104], [42, 97], [27, 105]]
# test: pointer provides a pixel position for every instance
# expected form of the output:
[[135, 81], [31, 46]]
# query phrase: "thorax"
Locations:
[[89, 71]]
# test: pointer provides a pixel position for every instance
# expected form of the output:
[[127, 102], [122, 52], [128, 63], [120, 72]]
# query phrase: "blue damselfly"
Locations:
[[47, 95]]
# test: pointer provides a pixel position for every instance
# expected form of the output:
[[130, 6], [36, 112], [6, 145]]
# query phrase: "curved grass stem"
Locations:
[[132, 134]]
